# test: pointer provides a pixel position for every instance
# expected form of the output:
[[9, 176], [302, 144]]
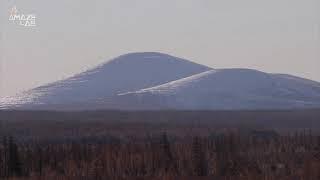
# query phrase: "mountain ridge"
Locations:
[[151, 80]]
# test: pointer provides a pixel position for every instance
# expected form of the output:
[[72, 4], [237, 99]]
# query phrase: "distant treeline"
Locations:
[[30, 125]]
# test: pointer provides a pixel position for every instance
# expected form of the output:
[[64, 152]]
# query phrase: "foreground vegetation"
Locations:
[[123, 145]]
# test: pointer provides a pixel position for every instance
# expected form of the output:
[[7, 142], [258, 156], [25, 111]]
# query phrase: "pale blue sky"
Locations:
[[280, 36]]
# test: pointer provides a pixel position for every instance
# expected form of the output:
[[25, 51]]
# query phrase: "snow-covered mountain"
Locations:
[[149, 81], [230, 89], [125, 73]]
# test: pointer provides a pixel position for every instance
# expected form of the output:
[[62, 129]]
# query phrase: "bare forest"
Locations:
[[246, 145]]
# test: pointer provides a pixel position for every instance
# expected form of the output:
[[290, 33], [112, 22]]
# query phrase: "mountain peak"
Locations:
[[144, 54], [148, 57]]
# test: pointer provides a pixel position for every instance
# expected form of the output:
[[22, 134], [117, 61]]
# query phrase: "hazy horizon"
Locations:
[[276, 36]]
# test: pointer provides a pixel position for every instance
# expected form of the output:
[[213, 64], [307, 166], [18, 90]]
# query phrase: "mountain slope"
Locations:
[[125, 73], [230, 89]]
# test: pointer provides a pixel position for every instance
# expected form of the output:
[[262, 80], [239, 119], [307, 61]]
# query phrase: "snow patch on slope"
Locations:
[[172, 86]]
